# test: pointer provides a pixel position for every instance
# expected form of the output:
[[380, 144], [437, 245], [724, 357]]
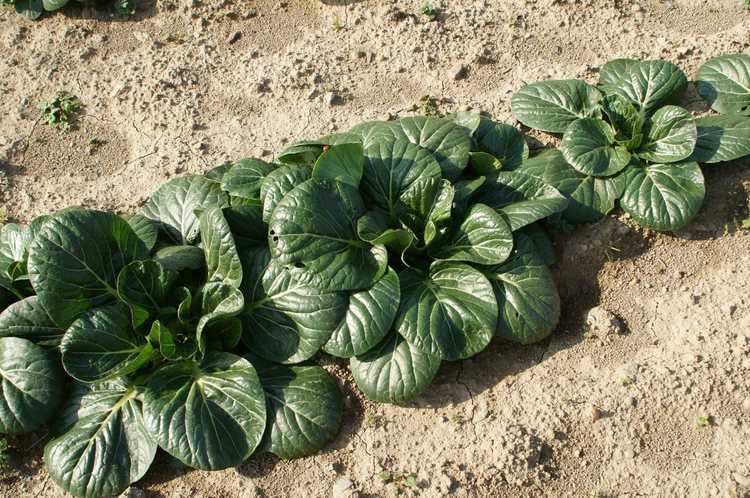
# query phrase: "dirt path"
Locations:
[[605, 414]]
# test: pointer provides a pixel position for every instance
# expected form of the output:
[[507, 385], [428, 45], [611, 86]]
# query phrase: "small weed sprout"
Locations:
[[428, 11], [704, 420], [338, 23], [61, 110]]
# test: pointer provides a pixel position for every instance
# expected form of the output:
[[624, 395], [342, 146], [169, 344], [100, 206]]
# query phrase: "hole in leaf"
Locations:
[[299, 265], [272, 232], [276, 239]]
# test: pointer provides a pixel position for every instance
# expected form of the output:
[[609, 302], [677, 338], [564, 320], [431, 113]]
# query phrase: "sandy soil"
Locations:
[[587, 413]]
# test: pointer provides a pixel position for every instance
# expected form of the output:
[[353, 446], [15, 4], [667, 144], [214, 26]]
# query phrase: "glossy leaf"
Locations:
[[553, 105], [174, 204], [369, 316], [31, 385], [75, 258], [722, 138], [450, 312], [724, 82], [669, 136], [144, 286], [222, 261], [284, 320], [520, 198], [313, 231], [304, 408], [503, 141], [209, 416], [105, 446], [102, 345], [342, 163], [590, 198], [245, 177], [394, 371], [178, 258], [663, 196], [483, 237], [145, 228], [648, 84], [27, 319], [280, 182], [625, 119], [589, 146]]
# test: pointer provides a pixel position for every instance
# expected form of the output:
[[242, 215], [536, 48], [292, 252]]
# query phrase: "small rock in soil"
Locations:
[[332, 98], [603, 322], [133, 492], [459, 72], [234, 37], [344, 488]]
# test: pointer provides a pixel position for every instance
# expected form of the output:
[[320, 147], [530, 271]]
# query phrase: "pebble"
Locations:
[[332, 99], [343, 488], [459, 72], [602, 321], [234, 37]]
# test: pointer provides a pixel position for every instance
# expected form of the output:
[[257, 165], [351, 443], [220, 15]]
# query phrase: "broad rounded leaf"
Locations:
[[527, 298], [394, 371], [589, 146], [178, 258], [483, 237], [222, 261], [27, 319], [625, 119], [143, 286], [75, 258], [145, 228], [313, 231], [215, 303], [342, 163], [724, 82], [209, 416], [369, 316], [174, 203], [391, 168], [280, 182], [450, 312], [722, 138], [247, 226], [469, 120], [286, 321], [663, 196], [521, 198], [102, 345], [648, 84], [552, 105], [590, 198], [307, 151], [304, 408], [105, 446], [503, 141], [373, 228], [31, 385], [669, 136], [245, 177], [448, 142]]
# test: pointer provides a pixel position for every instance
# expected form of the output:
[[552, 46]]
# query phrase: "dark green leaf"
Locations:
[[31, 385], [552, 105], [483, 237], [313, 231], [469, 120], [503, 141], [450, 312], [304, 408], [174, 204], [218, 302], [280, 182], [626, 120], [663, 196], [105, 446], [722, 138], [286, 321], [484, 163], [521, 198], [669, 136], [724, 82], [648, 84], [394, 371], [222, 261], [75, 259], [369, 316], [589, 146], [245, 177], [209, 416], [178, 258], [27, 319], [342, 163], [102, 345], [143, 286], [30, 9], [146, 229]]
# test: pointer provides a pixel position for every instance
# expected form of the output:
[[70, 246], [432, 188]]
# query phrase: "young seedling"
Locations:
[[4, 453], [427, 105], [704, 421], [428, 11], [61, 110], [338, 23]]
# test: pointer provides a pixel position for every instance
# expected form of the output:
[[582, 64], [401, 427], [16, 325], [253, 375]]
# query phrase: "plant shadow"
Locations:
[[103, 11]]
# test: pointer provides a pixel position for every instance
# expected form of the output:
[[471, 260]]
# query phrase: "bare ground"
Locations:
[[582, 414]]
